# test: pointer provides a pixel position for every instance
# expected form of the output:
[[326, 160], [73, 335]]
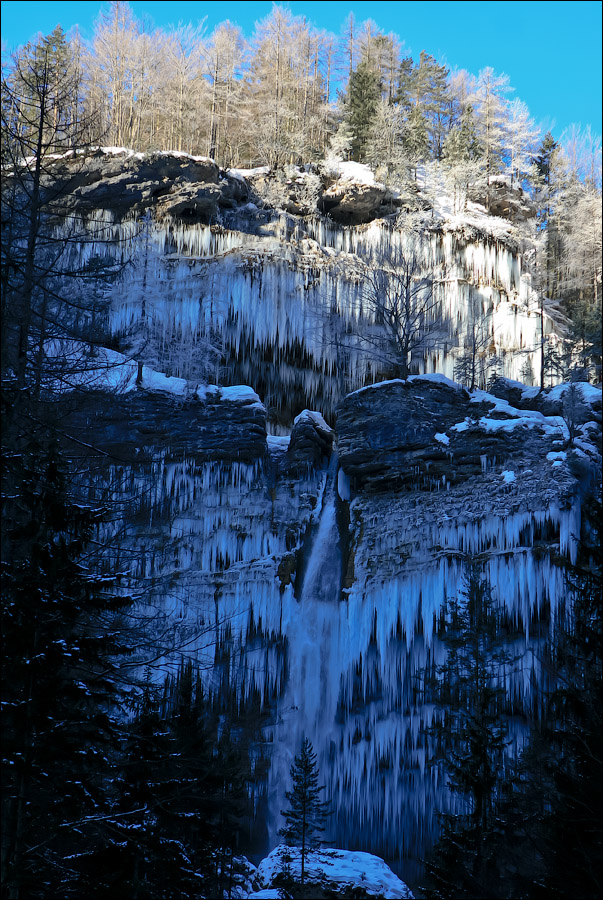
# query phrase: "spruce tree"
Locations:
[[61, 682], [305, 818], [403, 96], [472, 729], [415, 138], [360, 107]]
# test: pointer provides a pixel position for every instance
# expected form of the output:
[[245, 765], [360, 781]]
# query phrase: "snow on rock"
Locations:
[[357, 172], [242, 877], [508, 476], [311, 441], [430, 378], [114, 372], [268, 894], [436, 378], [343, 870], [557, 456], [243, 174], [277, 444], [355, 196], [589, 393], [157, 381], [442, 438], [314, 417]]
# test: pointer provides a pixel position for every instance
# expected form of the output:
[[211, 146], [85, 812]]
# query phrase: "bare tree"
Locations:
[[470, 364], [405, 317]]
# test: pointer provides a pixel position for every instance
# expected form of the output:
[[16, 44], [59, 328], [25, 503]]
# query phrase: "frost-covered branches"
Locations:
[[404, 317]]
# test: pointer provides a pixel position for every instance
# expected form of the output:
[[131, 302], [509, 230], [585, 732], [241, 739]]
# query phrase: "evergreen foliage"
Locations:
[[61, 684], [469, 692], [306, 815], [360, 107], [540, 831]]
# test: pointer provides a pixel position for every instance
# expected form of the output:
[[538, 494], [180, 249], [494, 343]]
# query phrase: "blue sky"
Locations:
[[551, 51]]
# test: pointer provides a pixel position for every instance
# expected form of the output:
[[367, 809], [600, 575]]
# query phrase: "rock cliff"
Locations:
[[298, 538], [256, 276], [222, 520]]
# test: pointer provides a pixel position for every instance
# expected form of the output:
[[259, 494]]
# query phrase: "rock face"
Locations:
[[221, 522], [429, 433], [254, 269], [352, 204], [507, 199], [186, 187], [143, 423], [386, 432]]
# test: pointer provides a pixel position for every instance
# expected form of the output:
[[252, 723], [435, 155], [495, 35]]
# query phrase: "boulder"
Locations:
[[332, 873], [506, 199], [311, 441], [352, 203], [387, 431]]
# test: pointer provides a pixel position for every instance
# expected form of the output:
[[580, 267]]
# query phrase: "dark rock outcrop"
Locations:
[[506, 199], [133, 427], [124, 183], [429, 433], [311, 441], [350, 203]]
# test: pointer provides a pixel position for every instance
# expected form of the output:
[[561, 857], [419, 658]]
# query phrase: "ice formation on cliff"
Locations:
[[291, 291]]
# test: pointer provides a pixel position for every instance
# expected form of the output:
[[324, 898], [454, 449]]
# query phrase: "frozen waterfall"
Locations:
[[309, 704]]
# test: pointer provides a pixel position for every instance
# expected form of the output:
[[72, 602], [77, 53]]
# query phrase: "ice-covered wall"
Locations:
[[330, 627], [278, 301], [217, 548]]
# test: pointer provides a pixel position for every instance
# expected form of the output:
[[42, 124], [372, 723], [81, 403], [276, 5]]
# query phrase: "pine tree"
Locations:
[[403, 95], [62, 643], [181, 796], [472, 729], [429, 90], [360, 107], [305, 818]]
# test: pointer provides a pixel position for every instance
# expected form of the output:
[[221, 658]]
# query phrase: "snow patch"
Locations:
[[589, 393], [277, 444], [508, 476], [343, 869], [437, 378], [431, 377], [355, 172], [242, 174], [442, 438]]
